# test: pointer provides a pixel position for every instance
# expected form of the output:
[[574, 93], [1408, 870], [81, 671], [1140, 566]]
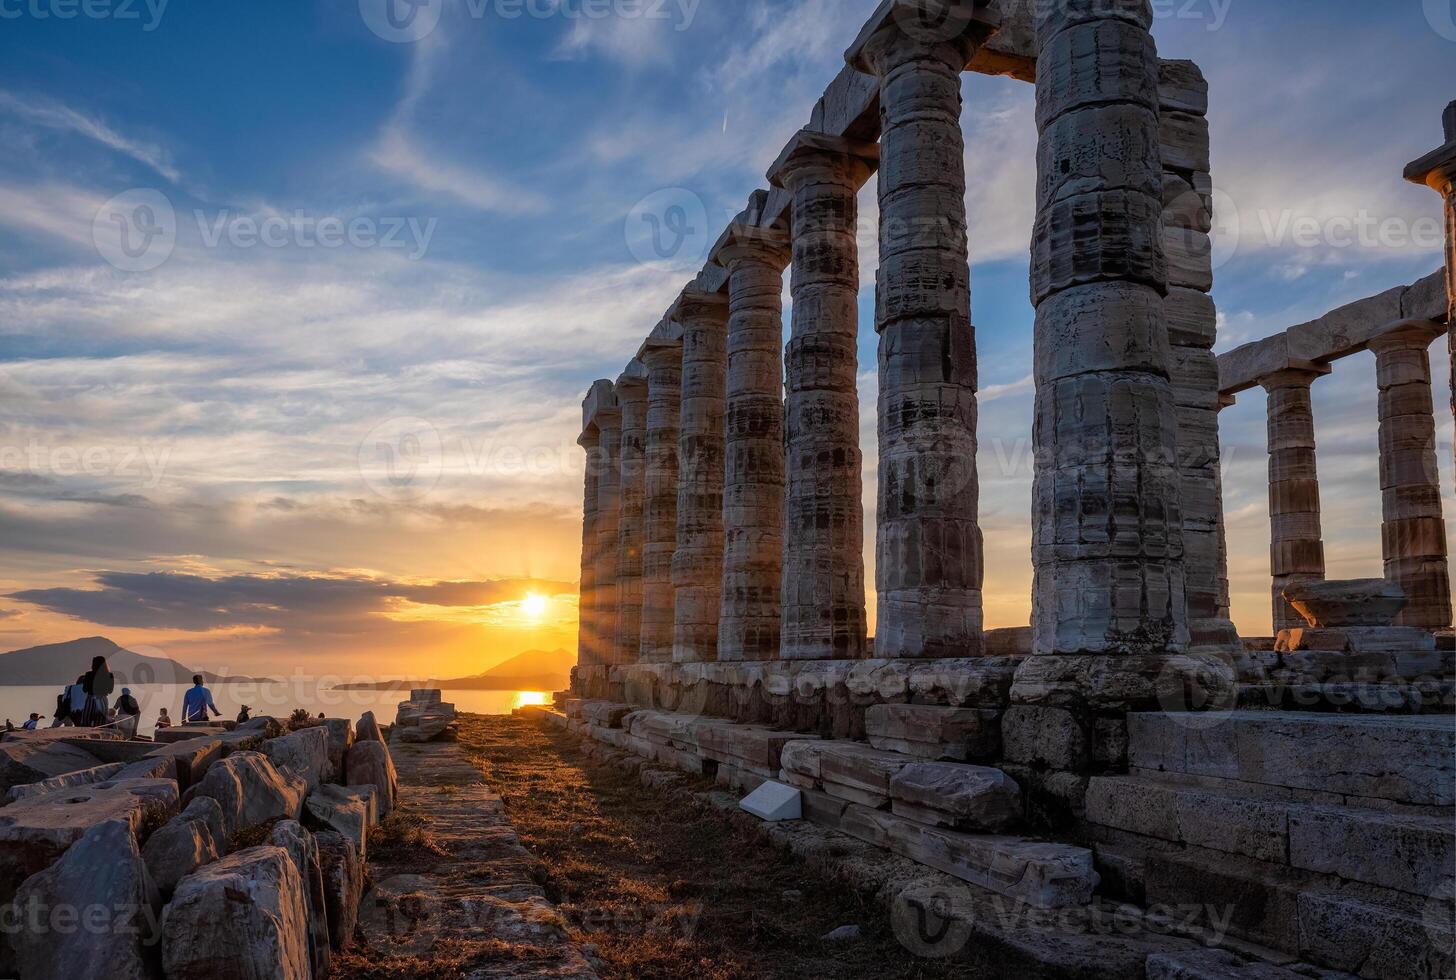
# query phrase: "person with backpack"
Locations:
[[128, 713], [98, 682]]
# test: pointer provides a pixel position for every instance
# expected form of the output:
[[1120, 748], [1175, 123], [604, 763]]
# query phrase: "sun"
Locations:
[[533, 606]]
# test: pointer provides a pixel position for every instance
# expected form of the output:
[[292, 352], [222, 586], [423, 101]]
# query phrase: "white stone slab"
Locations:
[[774, 802]]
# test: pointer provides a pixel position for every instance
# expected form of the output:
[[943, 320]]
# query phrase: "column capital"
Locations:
[[1407, 335], [590, 439], [745, 243], [697, 304], [601, 402], [906, 30], [809, 152], [632, 385], [1297, 374], [1437, 169], [1226, 400]]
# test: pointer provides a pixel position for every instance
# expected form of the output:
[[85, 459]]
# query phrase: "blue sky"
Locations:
[[208, 427]]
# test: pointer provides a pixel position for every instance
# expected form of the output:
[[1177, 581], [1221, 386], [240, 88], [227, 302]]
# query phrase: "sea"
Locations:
[[267, 698]]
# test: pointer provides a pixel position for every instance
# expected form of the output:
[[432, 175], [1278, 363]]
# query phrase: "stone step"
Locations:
[[1372, 933], [1359, 759], [1404, 852]]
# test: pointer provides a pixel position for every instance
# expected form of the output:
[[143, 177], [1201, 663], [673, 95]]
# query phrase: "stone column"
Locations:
[[697, 564], [632, 396], [609, 507], [753, 489], [928, 552], [1296, 545], [1437, 170], [1109, 612], [586, 633], [1225, 592], [662, 356], [824, 585], [1192, 332], [1413, 534]]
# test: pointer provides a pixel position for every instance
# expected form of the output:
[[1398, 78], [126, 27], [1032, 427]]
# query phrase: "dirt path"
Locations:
[[453, 893], [659, 885]]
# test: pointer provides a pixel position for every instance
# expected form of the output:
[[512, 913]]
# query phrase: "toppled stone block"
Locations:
[[243, 916], [370, 764], [189, 759], [25, 761], [347, 810], [341, 739], [342, 870], [303, 850], [36, 831], [1372, 640], [1358, 602], [178, 848], [423, 717], [971, 798], [85, 777], [251, 791], [304, 753], [101, 872], [605, 713], [181, 733], [368, 729]]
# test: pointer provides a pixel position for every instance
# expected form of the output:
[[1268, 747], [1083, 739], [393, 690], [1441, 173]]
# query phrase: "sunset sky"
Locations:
[[343, 439]]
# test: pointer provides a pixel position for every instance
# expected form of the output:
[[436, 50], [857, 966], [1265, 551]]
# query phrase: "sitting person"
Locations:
[[163, 721], [244, 714], [128, 712], [30, 725]]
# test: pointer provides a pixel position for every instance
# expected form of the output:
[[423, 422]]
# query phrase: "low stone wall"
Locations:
[[163, 846]]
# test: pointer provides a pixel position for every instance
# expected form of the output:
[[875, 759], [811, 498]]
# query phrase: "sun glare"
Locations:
[[533, 606]]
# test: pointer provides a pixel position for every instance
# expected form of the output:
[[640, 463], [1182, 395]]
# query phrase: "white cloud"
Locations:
[[54, 115]]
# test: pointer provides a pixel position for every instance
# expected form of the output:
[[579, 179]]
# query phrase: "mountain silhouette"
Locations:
[[62, 663]]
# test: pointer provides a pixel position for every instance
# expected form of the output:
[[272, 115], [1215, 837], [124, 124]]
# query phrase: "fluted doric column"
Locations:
[[609, 510], [1107, 524], [1413, 534], [586, 634], [753, 489], [632, 397], [823, 582], [697, 565], [1437, 170], [1296, 542], [662, 356], [929, 566]]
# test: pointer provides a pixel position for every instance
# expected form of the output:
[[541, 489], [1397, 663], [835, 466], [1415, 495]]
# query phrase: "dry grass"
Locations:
[[666, 887]]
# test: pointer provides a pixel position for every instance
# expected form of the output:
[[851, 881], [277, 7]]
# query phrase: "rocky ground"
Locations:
[[655, 882]]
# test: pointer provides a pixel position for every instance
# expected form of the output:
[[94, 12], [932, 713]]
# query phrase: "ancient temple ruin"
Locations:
[[1130, 747]]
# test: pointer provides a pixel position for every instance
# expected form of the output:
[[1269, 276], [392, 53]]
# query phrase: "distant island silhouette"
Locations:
[[534, 670], [62, 663]]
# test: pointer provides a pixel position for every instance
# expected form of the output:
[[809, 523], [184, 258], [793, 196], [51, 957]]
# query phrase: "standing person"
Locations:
[[128, 713], [163, 721], [30, 725], [197, 702], [99, 682]]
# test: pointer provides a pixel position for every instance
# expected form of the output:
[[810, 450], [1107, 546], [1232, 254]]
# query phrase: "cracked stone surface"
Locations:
[[659, 493], [608, 523], [1296, 542], [697, 564], [1107, 521], [632, 396], [823, 587]]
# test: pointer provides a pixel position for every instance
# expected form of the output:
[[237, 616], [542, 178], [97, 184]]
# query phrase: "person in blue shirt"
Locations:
[[197, 702], [31, 724]]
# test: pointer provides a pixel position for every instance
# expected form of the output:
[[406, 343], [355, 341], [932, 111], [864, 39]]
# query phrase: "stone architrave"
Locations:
[[609, 498], [1437, 170], [1413, 533], [929, 564], [662, 355], [823, 583], [632, 396], [1108, 608], [697, 564], [753, 482], [1296, 542]]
